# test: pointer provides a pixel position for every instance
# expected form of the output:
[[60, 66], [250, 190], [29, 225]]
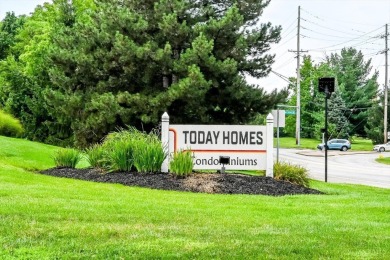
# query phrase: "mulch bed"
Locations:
[[197, 182]]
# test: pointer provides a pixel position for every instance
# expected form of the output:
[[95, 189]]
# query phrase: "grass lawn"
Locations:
[[361, 144], [44, 217], [290, 142], [358, 144], [24, 154], [384, 158]]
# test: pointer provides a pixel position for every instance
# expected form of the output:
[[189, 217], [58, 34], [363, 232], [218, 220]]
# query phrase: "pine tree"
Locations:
[[375, 126], [133, 60], [337, 116], [312, 101], [358, 89]]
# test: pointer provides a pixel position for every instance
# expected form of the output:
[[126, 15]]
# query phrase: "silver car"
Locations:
[[382, 147]]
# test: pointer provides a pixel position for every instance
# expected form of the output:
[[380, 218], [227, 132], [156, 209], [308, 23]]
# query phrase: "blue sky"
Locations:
[[326, 27]]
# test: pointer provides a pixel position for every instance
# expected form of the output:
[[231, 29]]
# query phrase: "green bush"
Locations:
[[292, 173], [181, 164], [96, 156], [120, 155], [10, 126], [114, 154], [67, 158], [127, 150], [148, 153]]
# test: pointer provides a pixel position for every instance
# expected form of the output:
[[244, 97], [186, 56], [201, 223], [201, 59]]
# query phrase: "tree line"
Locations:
[[74, 71], [356, 106]]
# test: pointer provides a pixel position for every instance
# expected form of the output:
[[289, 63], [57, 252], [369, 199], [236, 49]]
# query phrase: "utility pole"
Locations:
[[298, 112], [298, 123], [386, 90]]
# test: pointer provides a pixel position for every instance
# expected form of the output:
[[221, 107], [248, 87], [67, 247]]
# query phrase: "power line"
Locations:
[[286, 30], [335, 20], [346, 41], [321, 39], [285, 63], [324, 34], [328, 28], [349, 46], [278, 46], [283, 77]]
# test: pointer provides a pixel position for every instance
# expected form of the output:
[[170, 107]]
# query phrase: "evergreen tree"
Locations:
[[358, 89], [356, 92], [312, 101], [337, 116], [133, 60], [374, 126]]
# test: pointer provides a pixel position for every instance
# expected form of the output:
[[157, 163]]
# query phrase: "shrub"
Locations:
[[96, 156], [148, 153], [115, 153], [292, 173], [120, 155], [128, 149], [181, 164], [67, 158], [10, 126]]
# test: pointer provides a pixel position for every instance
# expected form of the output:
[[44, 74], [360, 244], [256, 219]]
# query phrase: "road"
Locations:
[[343, 167]]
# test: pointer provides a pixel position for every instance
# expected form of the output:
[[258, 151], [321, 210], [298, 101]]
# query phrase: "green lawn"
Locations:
[[25, 154], [44, 217], [290, 142], [383, 158], [358, 144]]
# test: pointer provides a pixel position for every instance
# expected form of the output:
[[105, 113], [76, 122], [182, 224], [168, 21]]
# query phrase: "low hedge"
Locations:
[[10, 126]]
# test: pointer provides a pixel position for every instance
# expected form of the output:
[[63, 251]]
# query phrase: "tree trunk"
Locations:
[[175, 57]]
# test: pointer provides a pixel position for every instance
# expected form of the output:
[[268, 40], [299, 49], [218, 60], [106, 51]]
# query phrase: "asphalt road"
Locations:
[[343, 167]]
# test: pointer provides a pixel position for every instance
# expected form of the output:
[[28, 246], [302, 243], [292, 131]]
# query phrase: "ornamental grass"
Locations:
[[67, 158], [292, 173], [181, 164]]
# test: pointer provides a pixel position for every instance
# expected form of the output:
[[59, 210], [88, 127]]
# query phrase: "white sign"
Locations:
[[244, 144], [249, 147], [279, 120]]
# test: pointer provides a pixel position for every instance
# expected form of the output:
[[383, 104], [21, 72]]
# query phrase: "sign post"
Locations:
[[326, 85], [281, 114], [279, 122], [270, 146], [165, 140]]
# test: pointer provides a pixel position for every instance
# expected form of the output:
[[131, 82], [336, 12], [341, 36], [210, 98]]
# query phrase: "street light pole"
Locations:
[[326, 134], [326, 85]]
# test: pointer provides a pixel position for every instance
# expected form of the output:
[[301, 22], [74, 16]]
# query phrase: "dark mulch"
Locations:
[[197, 182]]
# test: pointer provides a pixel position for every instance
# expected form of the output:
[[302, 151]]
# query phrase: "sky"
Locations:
[[326, 27]]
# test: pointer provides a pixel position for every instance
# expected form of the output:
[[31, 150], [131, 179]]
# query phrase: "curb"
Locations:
[[332, 153]]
